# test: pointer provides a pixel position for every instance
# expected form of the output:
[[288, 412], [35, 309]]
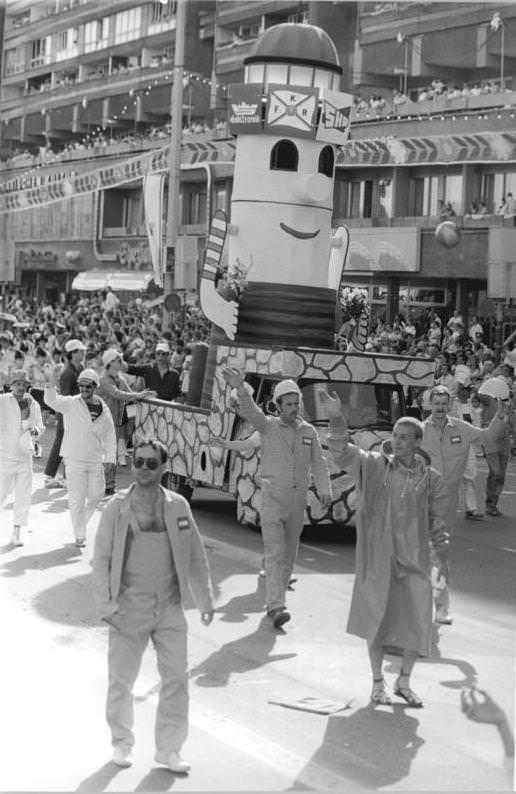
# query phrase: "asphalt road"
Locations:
[[53, 667]]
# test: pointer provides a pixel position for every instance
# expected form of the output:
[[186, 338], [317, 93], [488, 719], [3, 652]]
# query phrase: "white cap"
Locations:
[[463, 374], [495, 387], [285, 387], [162, 347], [18, 374], [233, 395], [110, 355], [74, 344], [90, 375]]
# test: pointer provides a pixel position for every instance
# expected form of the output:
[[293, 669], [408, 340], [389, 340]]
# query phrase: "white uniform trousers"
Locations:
[[85, 484], [16, 477], [282, 518]]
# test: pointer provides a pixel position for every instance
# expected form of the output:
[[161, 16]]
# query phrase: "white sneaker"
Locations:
[[173, 761], [123, 755]]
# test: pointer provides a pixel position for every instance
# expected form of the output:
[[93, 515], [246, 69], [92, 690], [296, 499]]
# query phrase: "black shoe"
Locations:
[[493, 511], [279, 616], [109, 492], [474, 515]]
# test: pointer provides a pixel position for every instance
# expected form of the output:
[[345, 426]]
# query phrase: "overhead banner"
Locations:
[[153, 190], [384, 249], [291, 110]]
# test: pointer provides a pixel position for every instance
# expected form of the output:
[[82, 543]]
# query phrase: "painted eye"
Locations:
[[284, 156], [326, 161]]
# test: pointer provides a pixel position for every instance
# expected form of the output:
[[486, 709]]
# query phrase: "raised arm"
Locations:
[[248, 408]]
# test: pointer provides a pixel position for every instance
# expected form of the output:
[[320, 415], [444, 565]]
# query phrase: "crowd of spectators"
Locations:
[[463, 359], [101, 142], [35, 332]]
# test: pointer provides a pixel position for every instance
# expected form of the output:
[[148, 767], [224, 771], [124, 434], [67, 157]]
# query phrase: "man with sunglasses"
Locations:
[[89, 441], [148, 558]]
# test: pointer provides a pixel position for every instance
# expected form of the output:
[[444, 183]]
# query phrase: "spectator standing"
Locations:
[[497, 449], [446, 439], [148, 559], [74, 351], [89, 440], [401, 516], [290, 450], [160, 377], [116, 392], [20, 425]]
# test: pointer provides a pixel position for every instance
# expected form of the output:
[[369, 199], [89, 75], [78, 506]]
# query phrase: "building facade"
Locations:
[[86, 90]]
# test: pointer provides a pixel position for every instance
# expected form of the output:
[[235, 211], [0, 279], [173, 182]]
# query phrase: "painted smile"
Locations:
[[299, 235]]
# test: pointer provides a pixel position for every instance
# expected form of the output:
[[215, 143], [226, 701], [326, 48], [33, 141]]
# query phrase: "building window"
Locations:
[[284, 156], [66, 44], [194, 205], [326, 161], [96, 34], [128, 25], [162, 12], [15, 61], [122, 212], [40, 52]]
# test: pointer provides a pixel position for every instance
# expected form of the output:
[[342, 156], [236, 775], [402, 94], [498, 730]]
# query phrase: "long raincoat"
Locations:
[[400, 516]]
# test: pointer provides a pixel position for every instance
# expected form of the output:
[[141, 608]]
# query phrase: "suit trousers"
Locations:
[[17, 478], [85, 483], [282, 519]]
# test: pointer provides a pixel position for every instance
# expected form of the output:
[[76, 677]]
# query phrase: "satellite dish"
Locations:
[[173, 302]]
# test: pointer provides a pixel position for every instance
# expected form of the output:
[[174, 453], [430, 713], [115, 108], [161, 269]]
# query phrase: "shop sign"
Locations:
[[246, 108]]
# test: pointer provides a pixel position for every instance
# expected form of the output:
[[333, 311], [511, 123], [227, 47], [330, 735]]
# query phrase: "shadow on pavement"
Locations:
[[69, 602], [157, 780], [240, 656], [34, 562], [99, 780], [239, 607], [370, 747]]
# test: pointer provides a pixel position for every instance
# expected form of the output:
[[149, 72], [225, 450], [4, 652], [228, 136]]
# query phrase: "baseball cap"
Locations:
[[74, 344], [110, 355], [162, 347], [17, 375], [88, 375], [285, 387]]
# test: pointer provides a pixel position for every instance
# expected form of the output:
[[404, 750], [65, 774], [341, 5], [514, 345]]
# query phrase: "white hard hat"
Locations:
[[495, 387], [285, 387], [88, 375]]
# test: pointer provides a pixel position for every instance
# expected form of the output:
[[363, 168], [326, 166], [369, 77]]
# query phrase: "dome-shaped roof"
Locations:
[[296, 43]]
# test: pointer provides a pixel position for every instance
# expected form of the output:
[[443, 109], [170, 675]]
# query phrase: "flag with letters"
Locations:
[[334, 123], [291, 111], [153, 188]]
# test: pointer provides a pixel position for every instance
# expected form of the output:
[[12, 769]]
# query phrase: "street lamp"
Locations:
[[496, 24], [402, 39]]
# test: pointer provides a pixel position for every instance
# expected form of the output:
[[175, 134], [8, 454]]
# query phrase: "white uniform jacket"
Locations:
[[12, 448], [281, 464], [84, 440], [185, 539]]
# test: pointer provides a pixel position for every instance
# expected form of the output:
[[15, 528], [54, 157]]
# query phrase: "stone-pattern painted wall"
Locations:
[[186, 429]]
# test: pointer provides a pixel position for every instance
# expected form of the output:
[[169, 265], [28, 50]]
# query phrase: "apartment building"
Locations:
[[434, 119]]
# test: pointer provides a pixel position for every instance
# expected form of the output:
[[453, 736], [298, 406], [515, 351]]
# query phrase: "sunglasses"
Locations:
[[151, 463]]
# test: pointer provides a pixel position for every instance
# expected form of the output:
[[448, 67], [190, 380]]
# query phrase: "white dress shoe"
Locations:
[[122, 755], [173, 761]]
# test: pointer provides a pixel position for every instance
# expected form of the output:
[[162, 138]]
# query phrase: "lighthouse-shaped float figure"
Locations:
[[289, 118]]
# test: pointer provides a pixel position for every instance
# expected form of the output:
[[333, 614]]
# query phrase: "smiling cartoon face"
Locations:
[[282, 206]]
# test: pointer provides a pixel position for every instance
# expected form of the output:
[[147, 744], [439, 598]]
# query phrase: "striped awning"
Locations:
[[93, 280], [488, 147]]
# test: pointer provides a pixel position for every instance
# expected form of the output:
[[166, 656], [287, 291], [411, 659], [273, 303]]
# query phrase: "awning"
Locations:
[[92, 280]]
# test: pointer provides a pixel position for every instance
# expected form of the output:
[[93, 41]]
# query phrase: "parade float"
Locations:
[[272, 279]]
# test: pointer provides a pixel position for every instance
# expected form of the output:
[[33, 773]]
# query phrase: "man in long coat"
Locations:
[[400, 517]]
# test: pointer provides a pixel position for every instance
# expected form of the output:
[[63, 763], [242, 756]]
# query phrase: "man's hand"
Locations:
[[233, 377], [325, 500], [217, 441], [145, 394], [332, 404], [207, 617]]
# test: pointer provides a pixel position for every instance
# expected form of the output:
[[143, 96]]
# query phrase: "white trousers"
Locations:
[[85, 484], [17, 478]]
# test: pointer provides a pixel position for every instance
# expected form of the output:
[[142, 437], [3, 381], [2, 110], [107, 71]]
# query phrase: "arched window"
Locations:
[[326, 161], [284, 156]]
